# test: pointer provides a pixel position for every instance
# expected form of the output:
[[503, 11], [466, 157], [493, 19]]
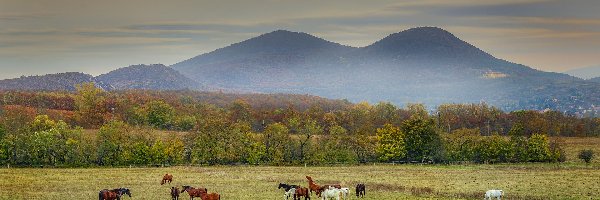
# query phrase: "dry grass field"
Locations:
[[570, 180], [519, 181]]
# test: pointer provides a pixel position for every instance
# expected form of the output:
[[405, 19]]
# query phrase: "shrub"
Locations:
[[538, 148], [586, 155]]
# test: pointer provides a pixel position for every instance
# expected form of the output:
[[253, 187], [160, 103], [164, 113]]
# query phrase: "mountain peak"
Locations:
[[425, 42]]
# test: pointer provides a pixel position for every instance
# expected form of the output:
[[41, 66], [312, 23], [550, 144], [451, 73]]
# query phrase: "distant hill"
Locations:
[[585, 72], [597, 79], [149, 77], [51, 82], [426, 64]]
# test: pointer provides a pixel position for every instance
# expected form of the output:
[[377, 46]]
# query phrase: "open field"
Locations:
[[519, 181]]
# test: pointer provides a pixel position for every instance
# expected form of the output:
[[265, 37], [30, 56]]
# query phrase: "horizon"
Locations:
[[70, 36]]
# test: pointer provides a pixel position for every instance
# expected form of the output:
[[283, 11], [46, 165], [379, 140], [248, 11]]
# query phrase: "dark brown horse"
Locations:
[[317, 188], [167, 178], [193, 192], [113, 194], [174, 193], [302, 192], [361, 190], [211, 196]]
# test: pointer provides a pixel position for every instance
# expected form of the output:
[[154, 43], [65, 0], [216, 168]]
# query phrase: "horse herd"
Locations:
[[325, 192]]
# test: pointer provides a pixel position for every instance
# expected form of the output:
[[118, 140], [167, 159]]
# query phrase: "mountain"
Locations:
[[426, 64], [597, 79], [150, 77], [585, 72], [51, 82]]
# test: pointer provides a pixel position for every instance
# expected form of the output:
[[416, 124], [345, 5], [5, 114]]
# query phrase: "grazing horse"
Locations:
[[332, 193], [286, 187], [193, 192], [318, 189], [302, 192], [290, 193], [360, 190], [113, 194], [493, 194], [211, 196], [345, 193], [174, 193], [166, 178]]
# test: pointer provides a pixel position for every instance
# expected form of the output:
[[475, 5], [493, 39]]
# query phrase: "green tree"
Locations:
[[275, 139], [586, 155], [421, 139], [160, 114], [538, 148], [111, 143], [390, 143]]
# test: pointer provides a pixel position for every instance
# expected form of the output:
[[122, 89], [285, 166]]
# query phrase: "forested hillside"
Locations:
[[217, 128]]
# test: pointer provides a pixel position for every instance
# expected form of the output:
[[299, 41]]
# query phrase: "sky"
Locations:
[[51, 36]]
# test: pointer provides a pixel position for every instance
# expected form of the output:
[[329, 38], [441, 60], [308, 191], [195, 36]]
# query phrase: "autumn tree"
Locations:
[[89, 101], [390, 143]]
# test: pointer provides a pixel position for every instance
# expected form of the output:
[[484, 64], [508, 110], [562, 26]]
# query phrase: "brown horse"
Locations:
[[174, 193], [211, 196], [167, 178], [193, 192], [318, 189], [113, 194], [302, 192], [313, 186]]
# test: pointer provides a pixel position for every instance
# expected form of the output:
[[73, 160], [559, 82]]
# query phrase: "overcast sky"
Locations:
[[50, 36]]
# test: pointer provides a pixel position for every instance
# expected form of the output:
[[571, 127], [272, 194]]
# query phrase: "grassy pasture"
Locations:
[[570, 180], [520, 181]]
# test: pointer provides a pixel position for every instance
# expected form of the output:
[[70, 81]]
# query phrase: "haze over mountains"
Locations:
[[585, 72], [427, 65]]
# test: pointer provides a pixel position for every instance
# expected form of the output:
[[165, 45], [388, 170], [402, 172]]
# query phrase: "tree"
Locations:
[[111, 148], [421, 139], [275, 139], [390, 143], [160, 114], [538, 148], [89, 101], [586, 155]]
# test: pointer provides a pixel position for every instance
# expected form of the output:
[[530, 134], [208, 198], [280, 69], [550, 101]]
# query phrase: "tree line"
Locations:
[[96, 128]]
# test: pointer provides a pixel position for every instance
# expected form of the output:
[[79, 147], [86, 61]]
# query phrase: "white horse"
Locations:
[[493, 194], [289, 193], [332, 193], [346, 192]]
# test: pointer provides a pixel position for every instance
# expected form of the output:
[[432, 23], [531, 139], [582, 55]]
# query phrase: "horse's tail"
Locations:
[[100, 195]]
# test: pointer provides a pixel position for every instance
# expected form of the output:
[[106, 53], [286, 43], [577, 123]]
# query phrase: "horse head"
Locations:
[[125, 191], [280, 186], [185, 188], [309, 178]]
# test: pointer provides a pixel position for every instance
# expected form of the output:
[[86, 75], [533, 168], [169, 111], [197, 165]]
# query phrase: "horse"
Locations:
[[318, 189], [360, 190], [193, 192], [211, 196], [302, 192], [291, 192], [113, 194], [174, 193], [346, 193], [332, 193], [286, 187], [493, 194], [166, 178]]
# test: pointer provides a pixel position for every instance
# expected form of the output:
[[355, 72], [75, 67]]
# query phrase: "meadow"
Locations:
[[570, 180], [519, 181]]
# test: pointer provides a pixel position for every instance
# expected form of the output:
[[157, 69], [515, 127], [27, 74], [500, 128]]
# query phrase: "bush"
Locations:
[[538, 148], [586, 155]]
